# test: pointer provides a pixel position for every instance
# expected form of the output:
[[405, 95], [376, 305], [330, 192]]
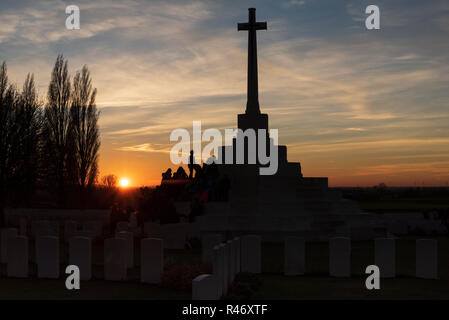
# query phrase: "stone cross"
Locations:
[[252, 105]]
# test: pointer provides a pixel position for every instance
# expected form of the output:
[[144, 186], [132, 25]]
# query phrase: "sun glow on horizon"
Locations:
[[124, 183]]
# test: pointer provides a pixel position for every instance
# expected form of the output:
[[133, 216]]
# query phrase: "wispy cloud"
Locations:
[[293, 3], [330, 91], [146, 147]]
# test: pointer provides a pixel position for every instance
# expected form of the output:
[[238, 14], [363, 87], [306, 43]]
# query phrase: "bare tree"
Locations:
[[19, 139], [56, 128], [28, 118], [59, 143], [84, 132], [8, 100], [5, 119], [109, 181]]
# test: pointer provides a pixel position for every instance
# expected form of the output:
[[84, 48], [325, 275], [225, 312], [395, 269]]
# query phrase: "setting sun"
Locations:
[[124, 183]]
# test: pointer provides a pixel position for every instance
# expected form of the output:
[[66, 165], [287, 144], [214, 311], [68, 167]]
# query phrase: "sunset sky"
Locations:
[[360, 107]]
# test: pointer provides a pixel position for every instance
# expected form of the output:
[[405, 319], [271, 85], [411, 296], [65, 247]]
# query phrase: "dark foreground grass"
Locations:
[[277, 287], [316, 284]]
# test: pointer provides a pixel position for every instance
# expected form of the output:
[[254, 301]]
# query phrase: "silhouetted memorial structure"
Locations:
[[279, 204]]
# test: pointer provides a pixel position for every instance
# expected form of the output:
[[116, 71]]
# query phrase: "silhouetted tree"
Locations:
[[8, 99], [56, 128], [84, 132], [27, 121], [57, 145], [109, 181], [19, 139]]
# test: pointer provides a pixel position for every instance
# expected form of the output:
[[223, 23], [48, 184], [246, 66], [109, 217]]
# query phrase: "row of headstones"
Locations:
[[227, 259], [426, 257], [15, 253], [118, 256], [244, 255], [384, 257]]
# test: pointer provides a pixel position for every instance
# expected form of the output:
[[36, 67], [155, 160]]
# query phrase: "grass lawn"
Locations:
[[315, 285]]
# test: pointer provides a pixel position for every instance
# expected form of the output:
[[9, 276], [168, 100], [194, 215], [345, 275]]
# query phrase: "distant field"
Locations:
[[409, 205], [391, 199]]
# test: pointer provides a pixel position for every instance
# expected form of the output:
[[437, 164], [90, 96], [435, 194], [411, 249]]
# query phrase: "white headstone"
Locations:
[[225, 258], [385, 256], [174, 235], [204, 287], [340, 257], [427, 259], [70, 230], [217, 267], [294, 256], [5, 234], [115, 259], [151, 260], [237, 255], [80, 254], [209, 241], [121, 226], [152, 230], [47, 257], [129, 237], [250, 254], [18, 257]]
